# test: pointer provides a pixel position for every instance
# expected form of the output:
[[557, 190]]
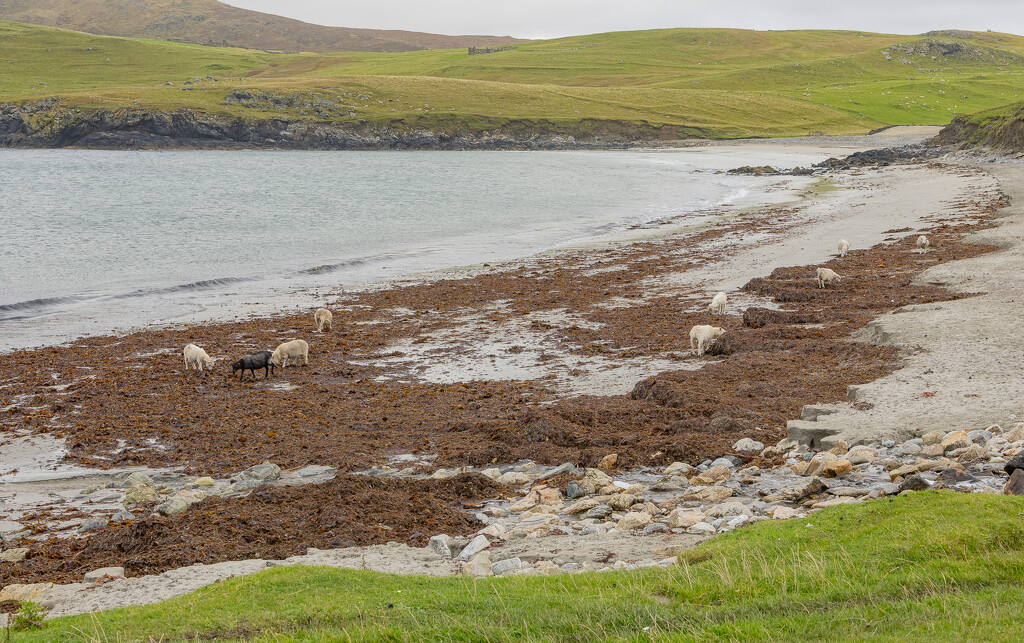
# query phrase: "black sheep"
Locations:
[[252, 362]]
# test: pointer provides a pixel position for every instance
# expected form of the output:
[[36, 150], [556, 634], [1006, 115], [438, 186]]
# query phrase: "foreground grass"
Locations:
[[929, 565], [682, 82]]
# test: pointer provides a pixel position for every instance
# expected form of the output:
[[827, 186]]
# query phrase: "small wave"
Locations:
[[36, 307]]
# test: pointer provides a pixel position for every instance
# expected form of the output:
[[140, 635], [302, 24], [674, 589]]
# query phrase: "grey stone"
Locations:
[[139, 477], [979, 436], [599, 512], [139, 493], [723, 462], [952, 475], [262, 472], [10, 538], [1016, 462], [887, 488], [241, 486], [574, 490], [90, 524], [442, 544], [675, 483], [1015, 485], [173, 507], [474, 547], [96, 574], [14, 555], [654, 528], [746, 445], [122, 517], [914, 483], [888, 444], [504, 566], [807, 433], [567, 467], [908, 449]]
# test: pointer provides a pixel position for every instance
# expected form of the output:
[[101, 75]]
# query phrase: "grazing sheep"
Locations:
[[701, 337], [717, 305], [843, 247], [827, 276], [197, 356], [323, 318], [922, 243], [290, 352], [252, 362]]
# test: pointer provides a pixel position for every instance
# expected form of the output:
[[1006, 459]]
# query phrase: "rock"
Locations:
[[818, 461], [678, 468], [508, 565], [932, 437], [139, 478], [474, 547], [25, 592], [14, 555], [635, 489], [837, 468], [970, 453], [493, 473], [746, 445], [173, 507], [649, 508], [979, 436], [825, 504], [701, 528], [683, 518], [908, 449], [89, 524], [1015, 485], [582, 505], [713, 474], [262, 472], [785, 513], [1016, 462], [205, 481], [800, 468], [104, 572], [953, 476], [442, 544], [633, 520], [1016, 434], [528, 502], [714, 492], [479, 565], [140, 493], [514, 478], [495, 512], [495, 530], [728, 462], [241, 486], [728, 509], [122, 517], [622, 502], [608, 461], [904, 471], [675, 483], [565, 467], [932, 451], [574, 490], [914, 483], [797, 492], [594, 479], [956, 440], [599, 512], [840, 448]]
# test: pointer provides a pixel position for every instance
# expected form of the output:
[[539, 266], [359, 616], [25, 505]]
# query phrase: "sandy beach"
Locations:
[[566, 357]]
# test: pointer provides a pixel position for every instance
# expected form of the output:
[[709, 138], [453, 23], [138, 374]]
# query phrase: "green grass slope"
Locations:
[[927, 566], [209, 22], [676, 83]]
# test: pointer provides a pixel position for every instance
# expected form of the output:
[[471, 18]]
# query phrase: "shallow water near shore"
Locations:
[[99, 241]]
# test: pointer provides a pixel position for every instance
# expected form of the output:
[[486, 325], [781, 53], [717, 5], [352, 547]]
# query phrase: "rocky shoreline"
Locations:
[[48, 123]]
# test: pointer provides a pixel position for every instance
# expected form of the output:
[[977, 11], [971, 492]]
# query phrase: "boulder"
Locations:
[[594, 479], [633, 520], [599, 512], [1015, 485], [139, 477], [683, 518], [500, 567], [701, 529], [566, 467], [514, 478], [580, 506], [837, 468], [526, 503], [1016, 462], [797, 492], [173, 507], [622, 502], [729, 509], [713, 474], [708, 493], [608, 461], [205, 481], [678, 469], [89, 524], [574, 490], [442, 544], [818, 461], [956, 440], [785, 513], [479, 565], [474, 547], [914, 483], [932, 437], [140, 493], [14, 555], [746, 445], [904, 471], [262, 472]]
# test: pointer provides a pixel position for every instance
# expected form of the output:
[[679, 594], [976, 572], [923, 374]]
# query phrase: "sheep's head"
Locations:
[[717, 332]]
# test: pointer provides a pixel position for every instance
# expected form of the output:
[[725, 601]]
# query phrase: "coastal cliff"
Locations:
[[1000, 129], [49, 124]]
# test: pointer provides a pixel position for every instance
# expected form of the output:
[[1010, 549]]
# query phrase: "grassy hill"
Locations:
[[1001, 128], [208, 22], [664, 84]]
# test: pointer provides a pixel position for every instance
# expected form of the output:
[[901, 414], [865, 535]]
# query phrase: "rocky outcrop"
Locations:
[[1001, 129], [50, 124]]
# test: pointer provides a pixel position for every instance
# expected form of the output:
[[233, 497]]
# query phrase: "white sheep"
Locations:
[[197, 356], [323, 319], [827, 276], [702, 337], [290, 352], [843, 247], [717, 305], [922, 243]]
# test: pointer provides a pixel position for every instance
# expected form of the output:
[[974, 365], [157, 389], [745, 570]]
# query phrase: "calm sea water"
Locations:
[[95, 241]]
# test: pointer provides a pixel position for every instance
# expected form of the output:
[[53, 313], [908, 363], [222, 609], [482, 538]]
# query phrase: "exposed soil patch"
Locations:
[[273, 522]]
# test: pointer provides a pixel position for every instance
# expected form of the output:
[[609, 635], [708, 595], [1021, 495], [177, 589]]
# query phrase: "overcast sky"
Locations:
[[552, 18]]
